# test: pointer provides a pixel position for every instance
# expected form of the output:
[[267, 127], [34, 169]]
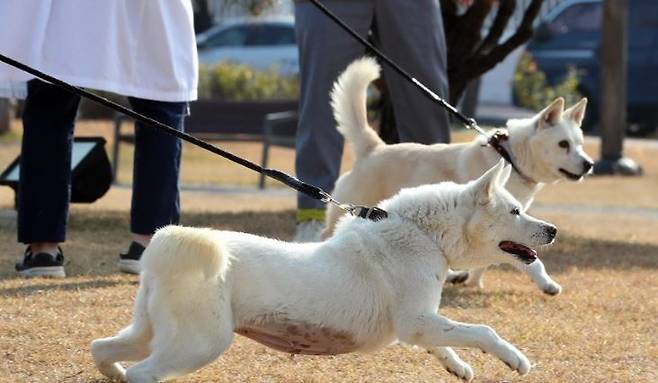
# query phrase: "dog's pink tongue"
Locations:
[[523, 252]]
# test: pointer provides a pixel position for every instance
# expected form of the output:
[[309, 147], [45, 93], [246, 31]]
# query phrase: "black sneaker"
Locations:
[[41, 264], [129, 262]]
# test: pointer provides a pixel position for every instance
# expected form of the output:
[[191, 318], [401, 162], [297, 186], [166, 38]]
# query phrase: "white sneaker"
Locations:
[[308, 231]]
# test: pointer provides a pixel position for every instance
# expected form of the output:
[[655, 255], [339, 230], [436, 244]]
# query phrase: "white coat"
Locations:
[[140, 48]]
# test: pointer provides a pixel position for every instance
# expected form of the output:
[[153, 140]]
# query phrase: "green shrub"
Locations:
[[534, 93], [239, 82]]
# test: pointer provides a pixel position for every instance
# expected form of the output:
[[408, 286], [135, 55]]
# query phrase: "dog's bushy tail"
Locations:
[[348, 100], [180, 252]]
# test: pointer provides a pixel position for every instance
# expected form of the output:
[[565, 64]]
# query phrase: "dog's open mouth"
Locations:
[[571, 176], [522, 252]]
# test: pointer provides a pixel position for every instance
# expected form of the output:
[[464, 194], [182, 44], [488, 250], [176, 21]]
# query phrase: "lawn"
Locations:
[[602, 328]]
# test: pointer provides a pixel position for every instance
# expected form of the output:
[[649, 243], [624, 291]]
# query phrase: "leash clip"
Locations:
[[366, 212], [372, 213]]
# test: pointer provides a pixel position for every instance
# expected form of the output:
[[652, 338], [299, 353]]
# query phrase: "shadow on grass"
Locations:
[[64, 285], [280, 225], [583, 253], [99, 225], [470, 298], [97, 237]]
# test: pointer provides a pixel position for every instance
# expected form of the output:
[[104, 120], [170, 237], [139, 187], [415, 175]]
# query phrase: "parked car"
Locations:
[[570, 35], [262, 43]]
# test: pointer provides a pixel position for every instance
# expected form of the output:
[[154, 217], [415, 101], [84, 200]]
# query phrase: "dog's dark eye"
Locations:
[[564, 144], [515, 211]]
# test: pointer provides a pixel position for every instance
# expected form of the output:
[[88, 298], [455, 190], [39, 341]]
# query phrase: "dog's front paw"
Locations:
[[453, 363], [552, 288], [537, 272], [515, 359]]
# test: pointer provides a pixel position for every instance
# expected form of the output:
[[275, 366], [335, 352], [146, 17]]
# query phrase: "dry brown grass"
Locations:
[[601, 329]]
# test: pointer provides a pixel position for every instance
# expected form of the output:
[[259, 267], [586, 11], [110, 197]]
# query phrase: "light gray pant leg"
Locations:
[[325, 50], [411, 34]]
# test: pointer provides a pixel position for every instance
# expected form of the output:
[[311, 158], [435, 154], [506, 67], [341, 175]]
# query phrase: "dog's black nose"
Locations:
[[551, 231], [587, 165]]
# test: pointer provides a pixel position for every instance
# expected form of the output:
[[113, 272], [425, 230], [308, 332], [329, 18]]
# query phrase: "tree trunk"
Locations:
[[613, 78], [613, 57]]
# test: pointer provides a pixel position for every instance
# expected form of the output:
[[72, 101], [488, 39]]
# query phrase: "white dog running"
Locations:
[[546, 148], [369, 285]]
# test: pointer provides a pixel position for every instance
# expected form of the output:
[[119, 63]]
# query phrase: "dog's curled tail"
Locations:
[[348, 100], [179, 252]]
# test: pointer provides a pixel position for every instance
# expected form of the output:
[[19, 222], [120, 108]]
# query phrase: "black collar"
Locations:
[[497, 142]]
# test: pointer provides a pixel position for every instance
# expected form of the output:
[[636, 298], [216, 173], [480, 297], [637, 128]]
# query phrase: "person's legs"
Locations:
[[411, 34], [45, 177], [324, 51], [155, 198]]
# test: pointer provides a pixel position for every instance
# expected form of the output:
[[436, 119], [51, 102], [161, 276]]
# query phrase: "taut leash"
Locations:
[[495, 140], [372, 213]]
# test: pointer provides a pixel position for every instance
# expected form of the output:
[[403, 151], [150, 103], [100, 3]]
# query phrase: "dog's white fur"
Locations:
[[369, 285], [382, 170]]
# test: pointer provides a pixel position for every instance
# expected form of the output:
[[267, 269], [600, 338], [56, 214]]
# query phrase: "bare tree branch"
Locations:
[[522, 34], [464, 35], [449, 13], [505, 11], [474, 65]]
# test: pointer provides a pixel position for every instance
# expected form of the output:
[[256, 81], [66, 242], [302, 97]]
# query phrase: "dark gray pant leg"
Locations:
[[325, 50], [411, 34]]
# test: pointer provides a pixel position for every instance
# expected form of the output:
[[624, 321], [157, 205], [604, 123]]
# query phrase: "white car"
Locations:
[[262, 43]]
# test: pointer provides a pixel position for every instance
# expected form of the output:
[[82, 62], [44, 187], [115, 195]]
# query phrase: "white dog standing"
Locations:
[[546, 148], [369, 285]]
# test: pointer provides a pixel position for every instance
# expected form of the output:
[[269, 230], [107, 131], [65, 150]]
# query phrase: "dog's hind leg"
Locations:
[[128, 345], [537, 272], [131, 343], [452, 362], [186, 336]]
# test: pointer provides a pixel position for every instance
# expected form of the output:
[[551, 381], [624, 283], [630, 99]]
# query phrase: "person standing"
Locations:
[[143, 49], [411, 34]]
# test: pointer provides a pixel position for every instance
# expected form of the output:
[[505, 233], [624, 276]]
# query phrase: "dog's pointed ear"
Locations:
[[504, 176], [551, 114], [577, 112], [484, 186]]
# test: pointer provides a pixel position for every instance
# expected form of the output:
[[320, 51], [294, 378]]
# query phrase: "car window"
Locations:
[[643, 14], [230, 37], [577, 18], [268, 35]]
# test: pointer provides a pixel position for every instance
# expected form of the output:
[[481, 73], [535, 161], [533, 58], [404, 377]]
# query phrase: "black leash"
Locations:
[[372, 213], [495, 140]]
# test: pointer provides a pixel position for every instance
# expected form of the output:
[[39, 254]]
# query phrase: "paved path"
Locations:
[[642, 212]]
